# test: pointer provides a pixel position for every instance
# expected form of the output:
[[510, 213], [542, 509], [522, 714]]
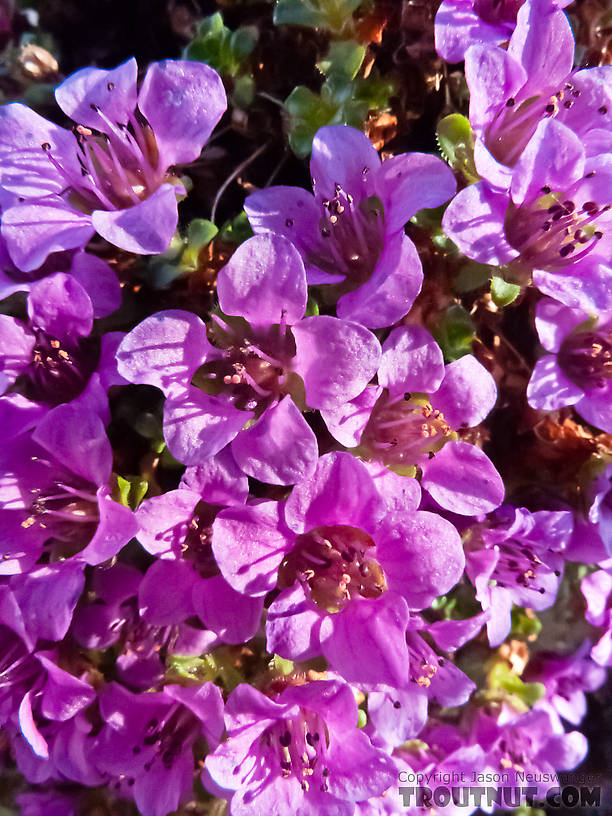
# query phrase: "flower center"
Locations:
[[251, 373], [520, 567], [334, 563], [299, 747], [117, 168], [424, 662], [59, 370], [197, 547], [67, 510], [551, 232], [352, 238], [586, 358], [402, 431], [169, 736]]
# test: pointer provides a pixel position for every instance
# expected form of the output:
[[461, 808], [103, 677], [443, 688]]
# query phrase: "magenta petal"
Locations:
[[34, 230], [398, 715], [492, 76], [467, 394], [411, 361], [117, 526], [99, 281], [264, 280], [596, 407], [346, 422], [411, 182], [325, 344], [554, 157], [232, 616], [288, 211], [63, 695], [164, 350], [474, 220], [47, 597], [462, 478], [197, 426], [16, 346], [372, 627], [554, 321], [450, 635], [549, 388], [400, 493], [164, 596], [182, 101], [249, 544], [77, 437], [421, 554], [29, 729], [342, 155], [389, 294], [218, 480], [280, 448], [341, 491], [114, 92], [25, 168], [582, 285], [543, 43], [146, 228], [293, 624], [163, 521], [61, 306], [457, 26]]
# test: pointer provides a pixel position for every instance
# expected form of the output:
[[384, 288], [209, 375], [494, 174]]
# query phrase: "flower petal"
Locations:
[[411, 361]]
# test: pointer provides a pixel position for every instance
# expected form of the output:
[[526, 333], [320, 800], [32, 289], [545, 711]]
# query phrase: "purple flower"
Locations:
[[267, 362], [515, 558], [532, 742], [348, 571], [462, 23], [125, 610], [94, 275], [177, 527], [411, 418], [513, 90], [350, 233], [298, 753], [147, 743], [112, 173], [554, 221], [597, 590], [35, 689], [55, 496], [398, 715], [53, 358], [566, 678], [578, 369]]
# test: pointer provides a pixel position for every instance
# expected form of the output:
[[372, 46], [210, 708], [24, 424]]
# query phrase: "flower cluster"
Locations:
[[279, 592]]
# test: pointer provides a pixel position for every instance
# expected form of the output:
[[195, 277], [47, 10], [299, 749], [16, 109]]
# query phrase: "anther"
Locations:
[[46, 146], [510, 102], [546, 189], [566, 250], [110, 86], [602, 110], [289, 222]]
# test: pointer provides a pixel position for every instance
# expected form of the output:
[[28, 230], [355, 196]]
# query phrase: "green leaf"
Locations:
[[334, 15], [524, 625], [472, 275], [218, 46], [501, 677], [454, 333], [236, 230], [504, 293], [362, 718], [341, 101], [244, 92], [456, 142], [283, 666], [343, 60], [130, 492]]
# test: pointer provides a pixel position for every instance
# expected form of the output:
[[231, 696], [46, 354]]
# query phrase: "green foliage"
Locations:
[[504, 293], [236, 230], [130, 492], [342, 101], [218, 46], [501, 678], [454, 332], [455, 139], [335, 16], [524, 626]]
